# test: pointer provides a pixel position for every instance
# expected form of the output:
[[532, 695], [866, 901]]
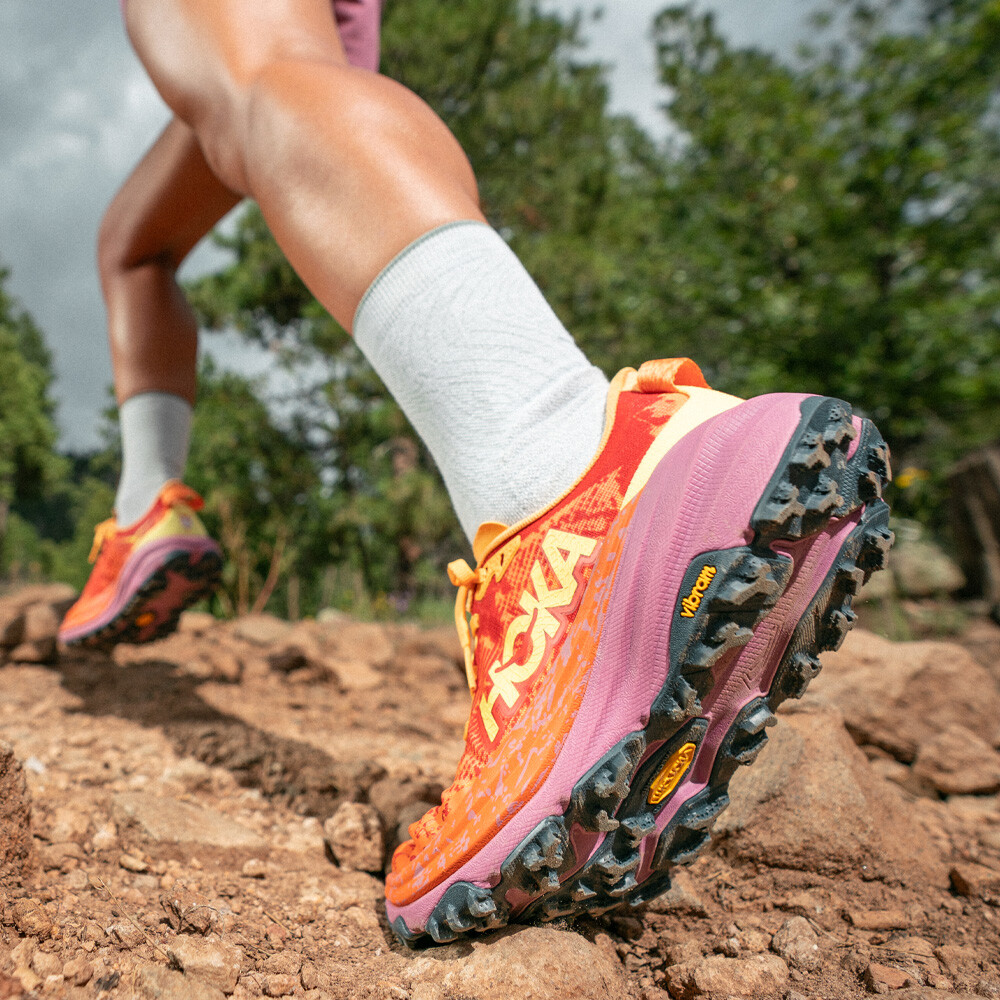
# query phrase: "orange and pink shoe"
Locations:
[[145, 575], [627, 648]]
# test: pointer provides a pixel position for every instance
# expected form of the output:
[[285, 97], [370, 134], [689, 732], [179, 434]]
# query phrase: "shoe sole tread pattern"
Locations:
[[815, 482], [201, 576]]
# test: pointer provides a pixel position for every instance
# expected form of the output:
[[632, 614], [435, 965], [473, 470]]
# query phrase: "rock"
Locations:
[[261, 630], [254, 868], [45, 964], [280, 985], [313, 978], [214, 962], [354, 835], [132, 864], [390, 796], [105, 837], [154, 982], [958, 960], [126, 934], [30, 919], [900, 695], [922, 569], [78, 972], [812, 803], [27, 616], [542, 963], [683, 896], [797, 943], [353, 675], [441, 641], [171, 822], [976, 882], [38, 641], [224, 665], [11, 623], [878, 920], [364, 642], [69, 824], [196, 622], [877, 975], [757, 976], [192, 775], [15, 819], [975, 809], [958, 762], [188, 912], [283, 963], [890, 769], [28, 980], [93, 933], [912, 952]]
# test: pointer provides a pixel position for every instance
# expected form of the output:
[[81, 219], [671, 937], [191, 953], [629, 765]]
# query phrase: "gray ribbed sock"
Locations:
[[156, 431], [506, 402]]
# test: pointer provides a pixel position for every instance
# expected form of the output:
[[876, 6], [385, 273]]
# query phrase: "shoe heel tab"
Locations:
[[175, 492], [668, 374]]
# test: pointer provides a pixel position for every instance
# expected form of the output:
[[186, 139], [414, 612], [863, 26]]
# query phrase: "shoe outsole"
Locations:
[[155, 608], [815, 482]]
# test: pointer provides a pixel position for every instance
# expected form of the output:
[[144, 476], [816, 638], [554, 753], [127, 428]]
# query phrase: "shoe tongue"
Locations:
[[487, 533]]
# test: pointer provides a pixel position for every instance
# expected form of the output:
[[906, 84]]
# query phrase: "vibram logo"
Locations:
[[546, 610], [671, 773], [692, 602]]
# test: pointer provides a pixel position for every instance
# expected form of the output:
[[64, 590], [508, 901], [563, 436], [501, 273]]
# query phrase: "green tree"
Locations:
[[832, 225], [28, 464]]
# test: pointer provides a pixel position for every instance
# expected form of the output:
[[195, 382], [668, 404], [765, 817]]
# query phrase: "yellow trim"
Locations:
[[702, 405], [178, 520]]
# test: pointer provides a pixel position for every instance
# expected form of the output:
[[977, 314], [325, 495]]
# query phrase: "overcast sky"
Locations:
[[76, 112]]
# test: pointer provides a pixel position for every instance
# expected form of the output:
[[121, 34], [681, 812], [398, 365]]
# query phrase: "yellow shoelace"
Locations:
[[463, 576], [101, 534]]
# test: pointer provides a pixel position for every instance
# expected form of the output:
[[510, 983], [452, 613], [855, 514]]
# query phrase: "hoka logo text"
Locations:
[[546, 610]]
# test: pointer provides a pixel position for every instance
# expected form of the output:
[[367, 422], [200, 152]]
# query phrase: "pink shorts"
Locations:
[[359, 23]]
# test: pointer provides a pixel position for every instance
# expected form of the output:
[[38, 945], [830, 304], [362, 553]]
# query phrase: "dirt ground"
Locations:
[[210, 815]]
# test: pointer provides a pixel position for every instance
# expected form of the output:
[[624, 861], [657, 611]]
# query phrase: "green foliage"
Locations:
[[29, 467], [833, 226], [27, 430]]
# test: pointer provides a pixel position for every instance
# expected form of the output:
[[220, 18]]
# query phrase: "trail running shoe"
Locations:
[[627, 648], [145, 575]]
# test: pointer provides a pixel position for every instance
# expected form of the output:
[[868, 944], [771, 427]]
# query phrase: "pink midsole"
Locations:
[[700, 499]]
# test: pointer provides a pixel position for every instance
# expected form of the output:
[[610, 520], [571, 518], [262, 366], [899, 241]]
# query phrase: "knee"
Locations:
[[115, 250], [125, 244]]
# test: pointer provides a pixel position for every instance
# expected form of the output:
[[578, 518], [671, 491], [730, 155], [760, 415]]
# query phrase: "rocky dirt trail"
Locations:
[[209, 816]]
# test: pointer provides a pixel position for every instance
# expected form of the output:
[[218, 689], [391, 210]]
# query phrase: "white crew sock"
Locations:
[[506, 402], [156, 432]]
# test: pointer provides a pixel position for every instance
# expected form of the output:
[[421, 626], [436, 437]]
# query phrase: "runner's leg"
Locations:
[[170, 201], [349, 169]]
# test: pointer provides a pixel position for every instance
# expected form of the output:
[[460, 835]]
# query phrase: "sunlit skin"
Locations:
[[348, 168]]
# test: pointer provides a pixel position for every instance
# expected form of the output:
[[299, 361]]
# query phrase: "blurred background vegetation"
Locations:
[[827, 224]]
